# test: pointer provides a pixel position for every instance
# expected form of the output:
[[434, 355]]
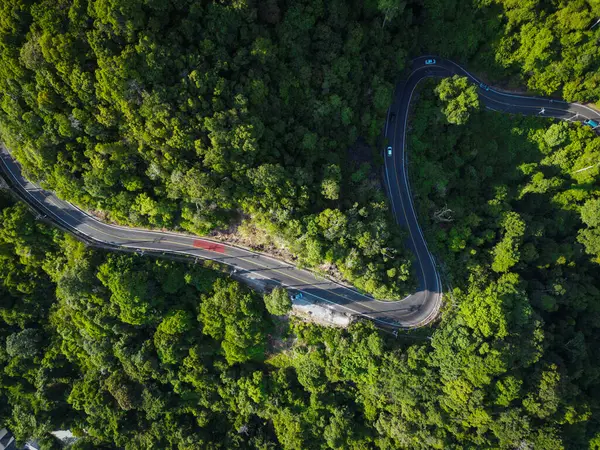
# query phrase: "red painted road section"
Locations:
[[210, 246]]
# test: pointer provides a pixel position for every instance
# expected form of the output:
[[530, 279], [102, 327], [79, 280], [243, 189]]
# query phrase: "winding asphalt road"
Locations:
[[428, 296], [415, 310]]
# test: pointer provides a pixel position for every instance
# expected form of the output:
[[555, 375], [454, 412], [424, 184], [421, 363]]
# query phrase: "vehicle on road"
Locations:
[[484, 86], [392, 117], [423, 306]]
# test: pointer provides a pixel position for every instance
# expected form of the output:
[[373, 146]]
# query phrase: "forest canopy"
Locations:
[[509, 205], [266, 116], [202, 115], [195, 115], [549, 46], [127, 351]]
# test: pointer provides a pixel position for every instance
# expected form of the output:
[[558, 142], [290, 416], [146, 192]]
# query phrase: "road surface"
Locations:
[[416, 310], [248, 264], [428, 295]]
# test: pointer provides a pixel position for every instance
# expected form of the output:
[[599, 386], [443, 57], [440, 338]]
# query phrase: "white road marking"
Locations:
[[407, 187]]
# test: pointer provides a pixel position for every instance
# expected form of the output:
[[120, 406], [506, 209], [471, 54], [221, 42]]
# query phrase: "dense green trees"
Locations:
[[460, 97], [590, 236], [278, 301], [195, 115], [133, 352], [109, 343], [550, 46], [506, 202], [199, 115]]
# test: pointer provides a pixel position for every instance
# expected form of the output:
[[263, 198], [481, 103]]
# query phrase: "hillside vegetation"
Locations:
[[202, 115], [131, 352], [549, 46], [193, 115], [510, 204], [196, 115]]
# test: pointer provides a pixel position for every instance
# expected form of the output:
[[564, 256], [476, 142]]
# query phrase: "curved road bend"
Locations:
[[428, 297], [247, 263], [415, 310]]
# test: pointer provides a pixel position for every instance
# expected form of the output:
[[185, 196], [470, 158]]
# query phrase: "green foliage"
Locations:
[[330, 187], [506, 219], [590, 212], [506, 253], [25, 344], [278, 301], [503, 369], [189, 116], [233, 317], [551, 46], [26, 257], [460, 98], [132, 291]]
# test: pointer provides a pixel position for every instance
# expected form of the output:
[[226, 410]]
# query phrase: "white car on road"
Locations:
[[389, 150]]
